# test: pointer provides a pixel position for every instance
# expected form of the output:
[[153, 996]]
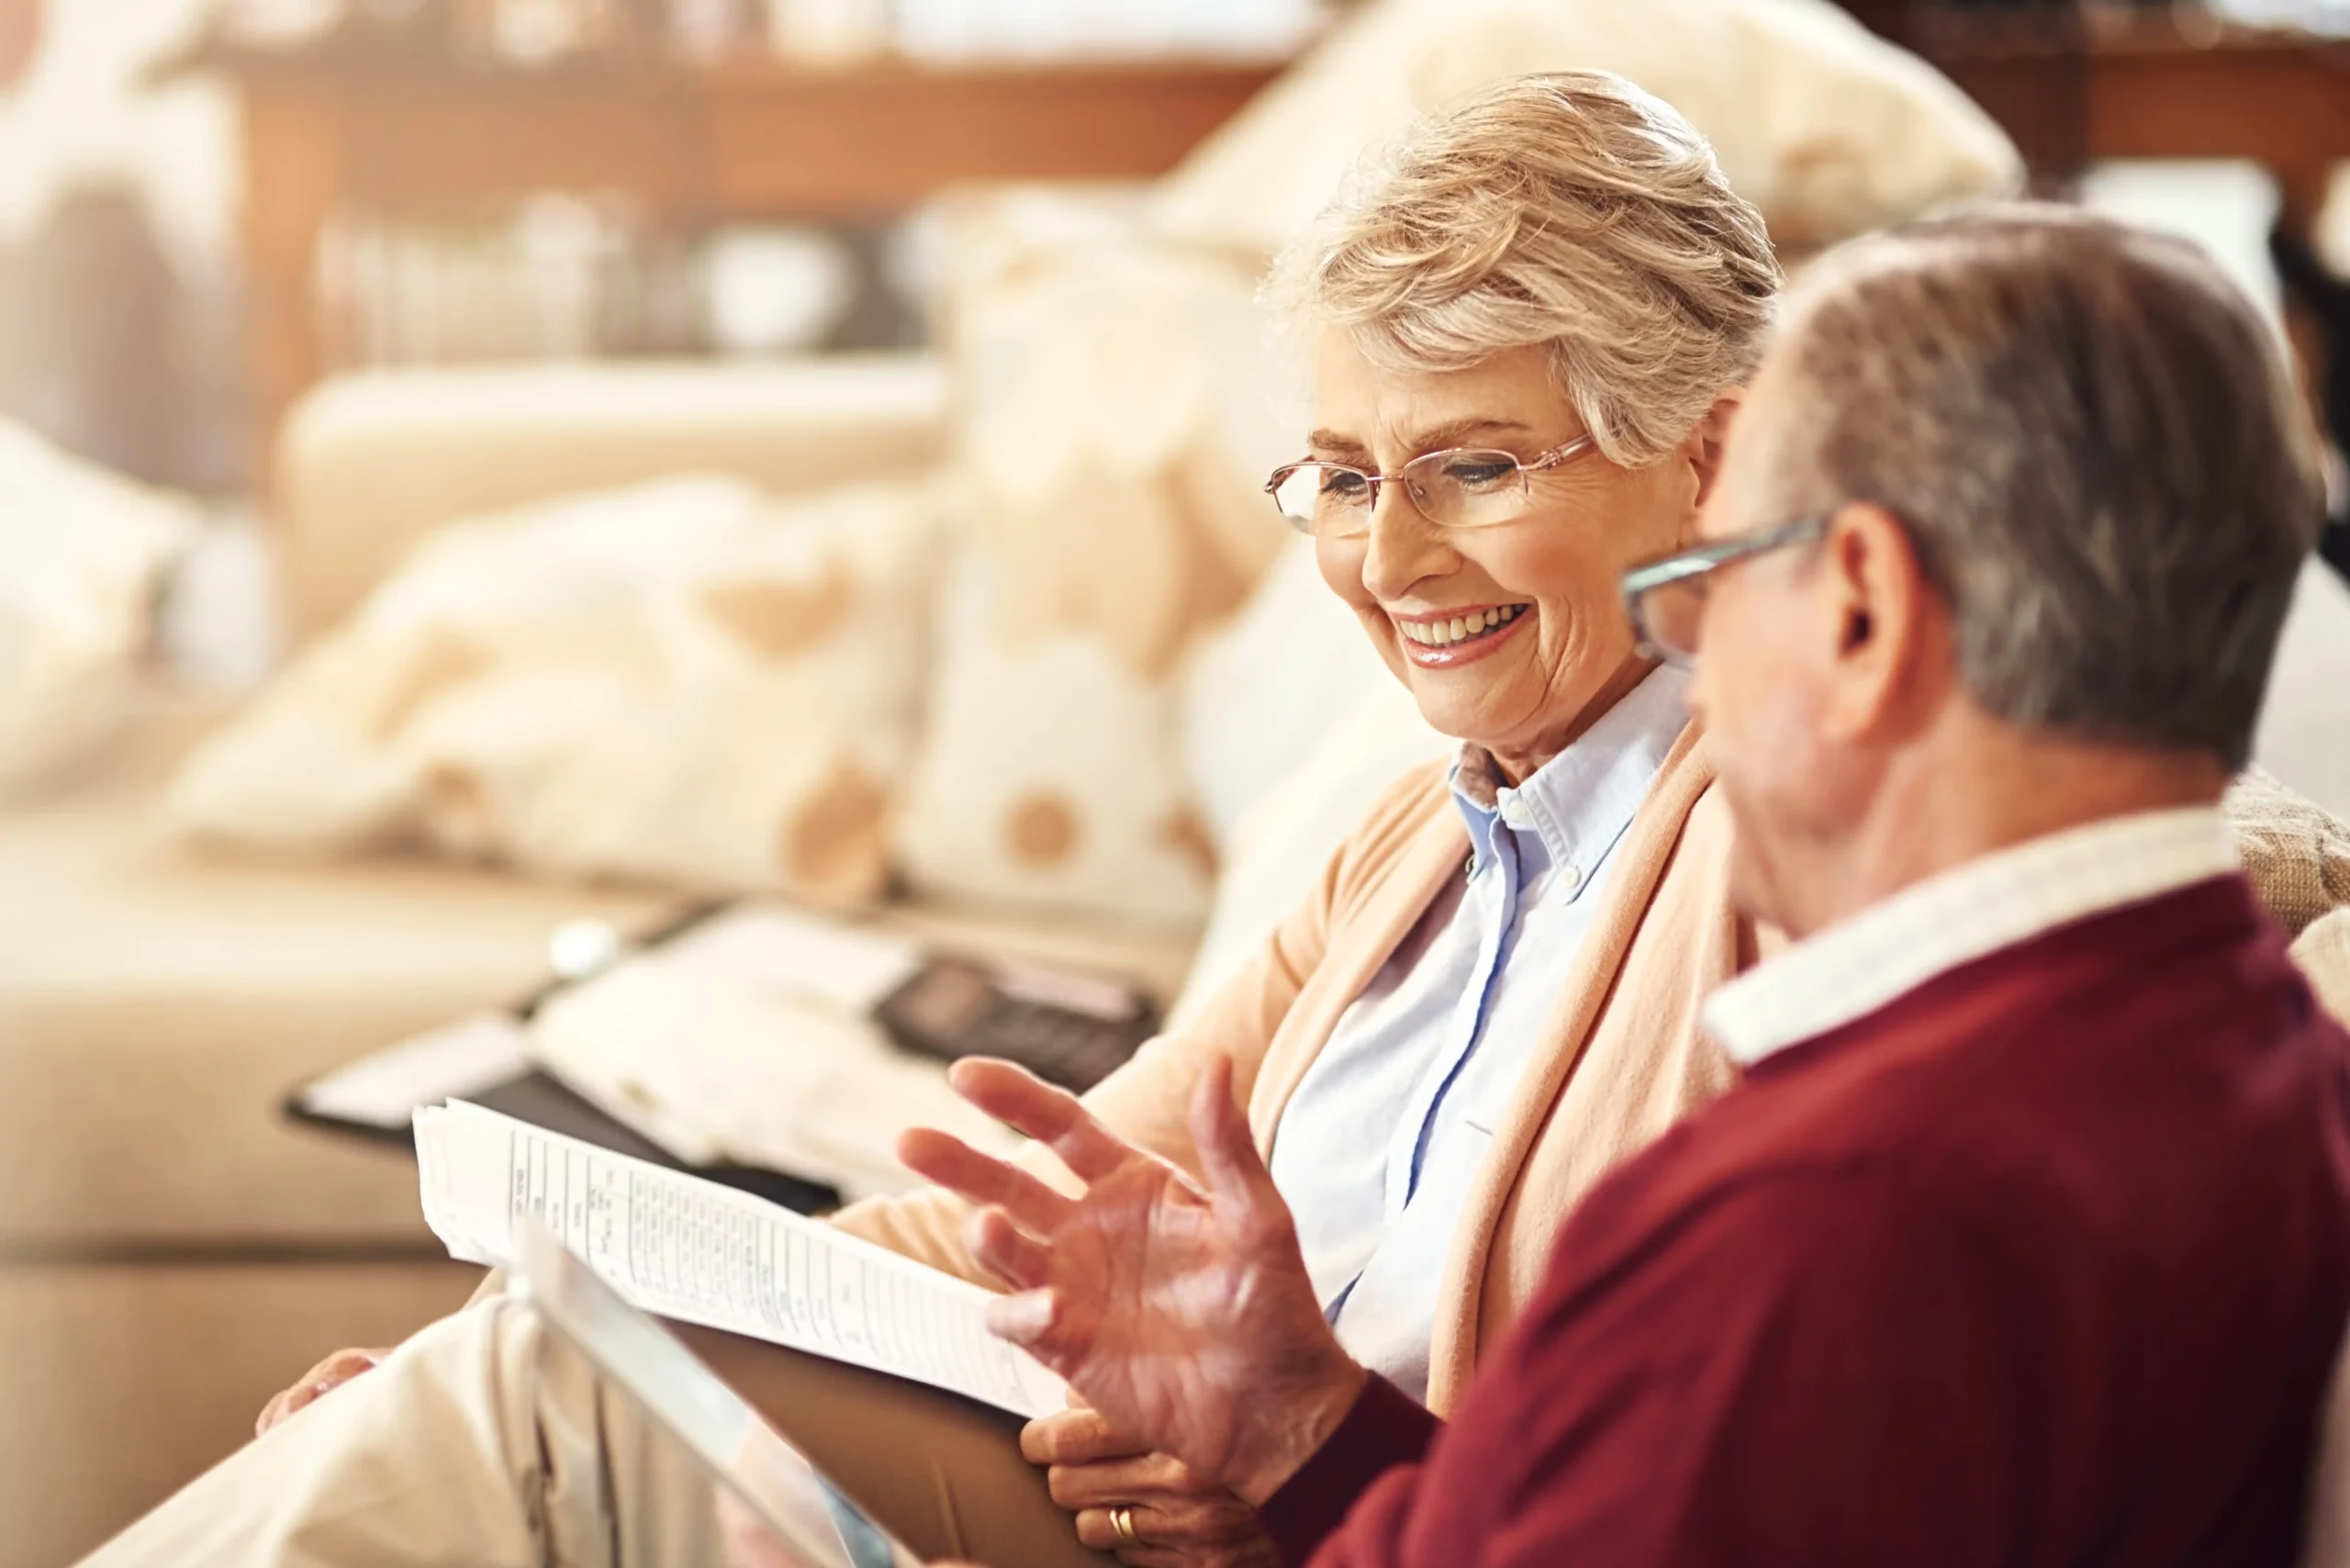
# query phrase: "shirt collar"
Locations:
[[1580, 802], [1859, 964]]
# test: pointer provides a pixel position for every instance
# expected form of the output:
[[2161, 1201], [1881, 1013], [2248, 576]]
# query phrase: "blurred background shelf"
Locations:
[[2076, 87], [419, 136], [690, 148]]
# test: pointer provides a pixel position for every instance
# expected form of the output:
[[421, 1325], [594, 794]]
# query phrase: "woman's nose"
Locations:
[[1403, 546]]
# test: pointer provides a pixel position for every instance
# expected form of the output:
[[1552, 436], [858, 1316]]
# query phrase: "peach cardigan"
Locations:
[[1623, 1062]]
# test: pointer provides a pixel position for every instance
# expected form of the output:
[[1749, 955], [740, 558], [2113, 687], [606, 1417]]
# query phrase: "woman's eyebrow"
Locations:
[[1436, 440], [1450, 434]]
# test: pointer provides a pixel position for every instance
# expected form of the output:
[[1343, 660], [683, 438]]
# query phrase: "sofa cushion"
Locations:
[[369, 465], [124, 1382], [156, 1003]]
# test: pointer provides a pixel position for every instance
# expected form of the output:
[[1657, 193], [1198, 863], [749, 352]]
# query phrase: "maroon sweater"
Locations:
[[2046, 1263]]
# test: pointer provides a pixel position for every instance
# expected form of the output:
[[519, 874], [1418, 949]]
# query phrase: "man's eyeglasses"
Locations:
[[1666, 597], [1460, 487]]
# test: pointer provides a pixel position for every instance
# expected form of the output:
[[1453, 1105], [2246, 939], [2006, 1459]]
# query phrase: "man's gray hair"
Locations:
[[2094, 442]]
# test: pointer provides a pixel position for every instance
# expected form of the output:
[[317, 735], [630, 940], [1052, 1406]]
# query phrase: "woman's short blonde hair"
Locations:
[[1572, 211]]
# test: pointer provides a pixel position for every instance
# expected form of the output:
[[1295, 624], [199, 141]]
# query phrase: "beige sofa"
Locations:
[[172, 1250]]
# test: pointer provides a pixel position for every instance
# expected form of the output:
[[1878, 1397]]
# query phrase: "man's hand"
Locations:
[[1181, 1519], [1184, 1316], [322, 1379]]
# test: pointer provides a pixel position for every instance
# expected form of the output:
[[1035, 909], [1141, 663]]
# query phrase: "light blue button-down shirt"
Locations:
[[1379, 1145]]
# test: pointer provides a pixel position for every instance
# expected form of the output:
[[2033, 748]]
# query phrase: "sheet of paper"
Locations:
[[712, 1068], [461, 1058], [785, 953], [680, 1247]]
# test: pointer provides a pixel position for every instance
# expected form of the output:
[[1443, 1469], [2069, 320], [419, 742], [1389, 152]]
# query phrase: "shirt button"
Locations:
[[1569, 877], [1517, 813]]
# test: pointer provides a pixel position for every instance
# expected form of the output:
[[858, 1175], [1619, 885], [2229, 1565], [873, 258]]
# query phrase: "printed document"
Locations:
[[680, 1247]]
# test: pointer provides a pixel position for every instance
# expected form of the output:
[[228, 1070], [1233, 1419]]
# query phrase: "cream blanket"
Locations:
[[686, 681], [84, 556]]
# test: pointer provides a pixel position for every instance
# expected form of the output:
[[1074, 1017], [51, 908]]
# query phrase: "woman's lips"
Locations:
[[1479, 633]]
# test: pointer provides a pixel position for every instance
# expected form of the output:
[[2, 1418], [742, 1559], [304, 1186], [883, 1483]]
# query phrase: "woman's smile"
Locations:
[[1448, 639]]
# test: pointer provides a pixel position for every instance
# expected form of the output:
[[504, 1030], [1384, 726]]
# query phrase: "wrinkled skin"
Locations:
[[1183, 1313]]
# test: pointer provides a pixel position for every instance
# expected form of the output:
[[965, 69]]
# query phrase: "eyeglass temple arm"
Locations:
[[1697, 562], [1559, 455]]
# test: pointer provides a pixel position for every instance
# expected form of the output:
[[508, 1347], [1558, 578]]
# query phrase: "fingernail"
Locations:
[[1021, 1318]]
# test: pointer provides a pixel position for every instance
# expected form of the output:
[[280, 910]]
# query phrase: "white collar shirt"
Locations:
[[1851, 969], [1379, 1147]]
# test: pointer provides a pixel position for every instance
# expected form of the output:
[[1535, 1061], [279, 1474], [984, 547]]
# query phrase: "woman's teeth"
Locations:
[[1460, 628]]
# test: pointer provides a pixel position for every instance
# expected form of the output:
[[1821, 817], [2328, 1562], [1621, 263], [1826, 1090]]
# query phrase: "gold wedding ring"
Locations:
[[1122, 1524]]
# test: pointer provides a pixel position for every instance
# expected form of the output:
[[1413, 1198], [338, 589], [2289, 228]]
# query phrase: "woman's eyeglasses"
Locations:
[[1666, 597], [1461, 487]]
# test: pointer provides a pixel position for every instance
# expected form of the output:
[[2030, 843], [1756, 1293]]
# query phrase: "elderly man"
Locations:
[[2027, 1239]]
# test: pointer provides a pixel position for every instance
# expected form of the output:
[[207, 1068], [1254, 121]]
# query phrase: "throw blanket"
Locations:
[[82, 558], [687, 681]]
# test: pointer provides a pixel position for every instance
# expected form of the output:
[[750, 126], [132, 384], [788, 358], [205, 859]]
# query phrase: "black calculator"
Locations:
[[1071, 1030]]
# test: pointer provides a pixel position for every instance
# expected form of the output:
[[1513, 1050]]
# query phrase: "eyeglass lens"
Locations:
[[1456, 489], [1669, 616]]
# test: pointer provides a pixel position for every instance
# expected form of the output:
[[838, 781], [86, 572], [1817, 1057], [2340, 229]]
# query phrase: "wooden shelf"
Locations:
[[742, 140], [2113, 84]]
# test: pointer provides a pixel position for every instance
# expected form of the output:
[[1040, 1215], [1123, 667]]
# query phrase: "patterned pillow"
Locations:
[[686, 682], [1119, 400], [2296, 853]]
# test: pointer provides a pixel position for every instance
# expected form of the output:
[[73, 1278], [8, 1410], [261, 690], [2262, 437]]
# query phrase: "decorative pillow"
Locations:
[[1826, 128], [82, 558], [2296, 853], [686, 681], [1120, 401], [2324, 953], [1048, 774]]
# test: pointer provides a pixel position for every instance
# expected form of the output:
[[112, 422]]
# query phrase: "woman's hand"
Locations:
[[1184, 1316], [1181, 1519], [322, 1379]]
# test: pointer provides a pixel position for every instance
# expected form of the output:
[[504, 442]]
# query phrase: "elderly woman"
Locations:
[[1528, 333], [1528, 337]]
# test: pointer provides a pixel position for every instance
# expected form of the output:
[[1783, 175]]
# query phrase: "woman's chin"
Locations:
[[1452, 708]]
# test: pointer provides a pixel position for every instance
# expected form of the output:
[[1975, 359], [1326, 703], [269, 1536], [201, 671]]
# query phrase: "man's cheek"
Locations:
[[1761, 733]]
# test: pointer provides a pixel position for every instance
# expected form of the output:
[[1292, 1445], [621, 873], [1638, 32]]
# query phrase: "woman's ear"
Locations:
[[1708, 443]]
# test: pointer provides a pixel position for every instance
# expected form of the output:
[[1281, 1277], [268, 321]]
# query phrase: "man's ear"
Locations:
[[1709, 443], [1889, 627]]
